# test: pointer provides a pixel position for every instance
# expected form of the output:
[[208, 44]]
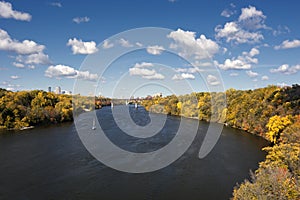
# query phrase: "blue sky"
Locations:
[[248, 44]]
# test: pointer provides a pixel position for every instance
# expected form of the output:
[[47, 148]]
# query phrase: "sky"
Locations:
[[105, 48]]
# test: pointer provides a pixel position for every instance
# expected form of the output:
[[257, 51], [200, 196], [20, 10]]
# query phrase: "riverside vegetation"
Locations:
[[271, 112], [29, 108]]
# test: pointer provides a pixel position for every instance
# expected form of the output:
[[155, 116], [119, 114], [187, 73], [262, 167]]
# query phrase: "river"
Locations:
[[51, 163]]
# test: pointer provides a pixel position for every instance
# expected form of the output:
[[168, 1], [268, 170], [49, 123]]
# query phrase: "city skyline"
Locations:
[[248, 42]]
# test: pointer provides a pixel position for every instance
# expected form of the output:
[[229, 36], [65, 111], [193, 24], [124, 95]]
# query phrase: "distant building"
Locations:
[[157, 95], [58, 90], [66, 92], [149, 97], [49, 89]]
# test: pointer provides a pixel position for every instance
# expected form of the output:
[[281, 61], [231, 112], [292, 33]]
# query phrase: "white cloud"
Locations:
[[227, 13], [144, 70], [80, 47], [234, 64], [251, 74], [241, 62], [253, 52], [155, 50], [197, 63], [143, 64], [264, 78], [212, 80], [79, 20], [183, 76], [14, 77], [10, 88], [190, 70], [288, 44], [252, 19], [233, 32], [6, 11], [19, 65], [245, 29], [155, 76], [138, 44], [56, 4], [141, 71], [125, 43], [86, 75], [283, 84], [188, 45], [24, 47], [286, 69], [107, 44], [36, 58], [60, 71]]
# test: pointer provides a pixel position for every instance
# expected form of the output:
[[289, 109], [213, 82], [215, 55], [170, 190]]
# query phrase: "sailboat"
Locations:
[[94, 125], [112, 105], [135, 105]]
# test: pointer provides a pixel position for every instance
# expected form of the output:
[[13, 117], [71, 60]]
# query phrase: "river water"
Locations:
[[52, 163]]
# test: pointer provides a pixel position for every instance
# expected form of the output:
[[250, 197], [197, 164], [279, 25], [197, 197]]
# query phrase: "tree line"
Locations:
[[271, 112], [28, 108]]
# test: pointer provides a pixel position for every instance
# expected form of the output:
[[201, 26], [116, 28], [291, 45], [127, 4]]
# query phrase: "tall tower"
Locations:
[[58, 90], [49, 89]]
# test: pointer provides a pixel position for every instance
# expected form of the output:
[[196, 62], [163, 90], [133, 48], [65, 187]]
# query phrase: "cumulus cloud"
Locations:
[[56, 4], [80, 47], [63, 71], [107, 44], [138, 44], [251, 74], [190, 70], [234, 33], [29, 51], [288, 44], [6, 11], [24, 47], [234, 64], [19, 65], [144, 70], [286, 69], [244, 61], [212, 80], [141, 71], [245, 29], [155, 50], [188, 45], [14, 77], [264, 78], [251, 18], [183, 76], [79, 20], [227, 13], [143, 64], [36, 58], [125, 43]]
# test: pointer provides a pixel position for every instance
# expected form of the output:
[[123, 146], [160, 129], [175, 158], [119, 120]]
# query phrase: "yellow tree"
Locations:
[[276, 125]]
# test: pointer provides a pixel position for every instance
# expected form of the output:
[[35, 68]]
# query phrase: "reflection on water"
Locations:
[[51, 163]]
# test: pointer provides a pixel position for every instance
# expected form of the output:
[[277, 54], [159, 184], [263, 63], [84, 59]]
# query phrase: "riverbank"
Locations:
[[272, 113]]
